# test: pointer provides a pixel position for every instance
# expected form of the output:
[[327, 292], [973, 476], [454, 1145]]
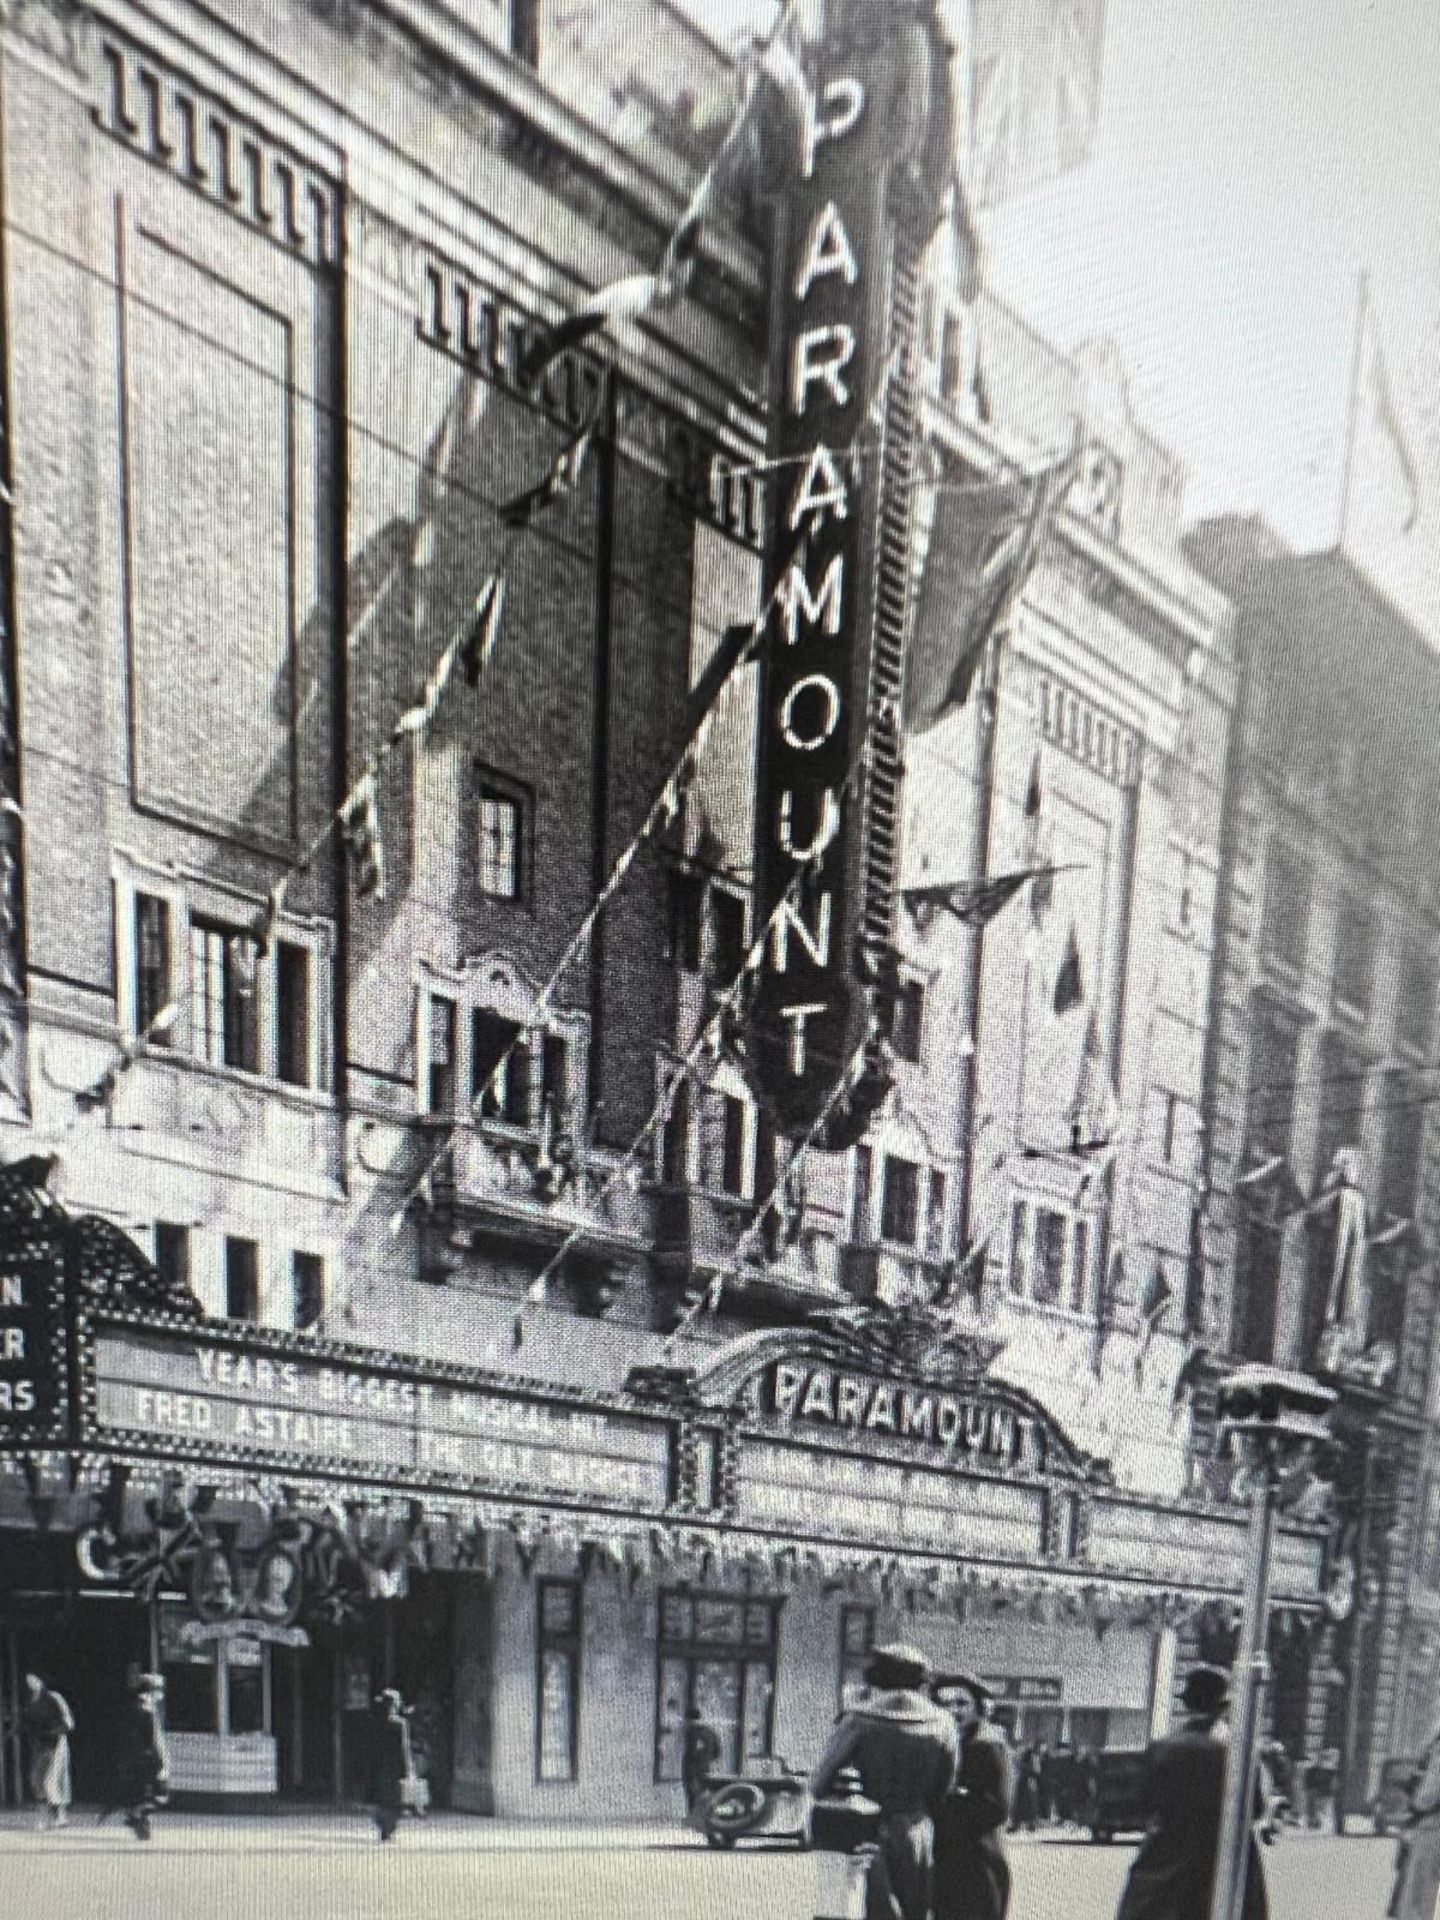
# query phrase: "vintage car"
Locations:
[[1115, 1801], [770, 1802]]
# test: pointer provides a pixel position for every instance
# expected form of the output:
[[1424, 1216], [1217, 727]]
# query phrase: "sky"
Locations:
[[1253, 158]]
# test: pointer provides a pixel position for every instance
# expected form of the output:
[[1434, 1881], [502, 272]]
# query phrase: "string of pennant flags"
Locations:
[[707, 1042]]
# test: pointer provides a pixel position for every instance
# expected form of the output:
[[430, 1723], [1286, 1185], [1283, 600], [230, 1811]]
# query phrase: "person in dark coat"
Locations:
[[972, 1875], [904, 1750], [392, 1763], [1025, 1812], [1174, 1872], [698, 1756], [143, 1770]]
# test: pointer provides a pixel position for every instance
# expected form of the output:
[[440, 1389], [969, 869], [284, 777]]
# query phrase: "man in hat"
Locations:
[[972, 1875], [1174, 1872], [904, 1750], [143, 1771], [392, 1762]]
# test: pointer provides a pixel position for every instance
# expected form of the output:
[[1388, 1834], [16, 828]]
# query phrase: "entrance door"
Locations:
[[84, 1646]]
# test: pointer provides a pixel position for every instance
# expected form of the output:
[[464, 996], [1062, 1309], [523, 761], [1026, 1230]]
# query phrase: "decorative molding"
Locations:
[[703, 476], [492, 336], [1073, 723], [218, 152]]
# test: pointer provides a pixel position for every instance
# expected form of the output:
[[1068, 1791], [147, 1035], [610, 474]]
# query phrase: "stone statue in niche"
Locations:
[[1344, 1339]]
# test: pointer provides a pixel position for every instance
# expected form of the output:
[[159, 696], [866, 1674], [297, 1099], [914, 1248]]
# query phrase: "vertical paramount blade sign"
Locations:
[[858, 184]]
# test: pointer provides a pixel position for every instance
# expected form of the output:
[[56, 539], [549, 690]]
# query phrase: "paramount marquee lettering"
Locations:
[[816, 678], [977, 1426]]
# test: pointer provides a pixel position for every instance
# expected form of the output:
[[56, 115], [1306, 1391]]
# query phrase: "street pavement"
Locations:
[[452, 1869]]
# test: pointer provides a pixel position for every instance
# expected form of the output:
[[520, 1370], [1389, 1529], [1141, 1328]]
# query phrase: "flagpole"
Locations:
[[1362, 308]]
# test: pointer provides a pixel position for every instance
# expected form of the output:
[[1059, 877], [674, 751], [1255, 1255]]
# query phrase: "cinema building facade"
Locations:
[[275, 1415]]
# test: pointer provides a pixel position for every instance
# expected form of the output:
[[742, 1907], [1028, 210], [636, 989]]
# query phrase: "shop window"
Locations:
[[1285, 925], [1051, 1232], [292, 1015], [1089, 1729], [242, 1279], [900, 1201], [224, 1006], [152, 963], [172, 1256], [1354, 954], [192, 1678], [557, 1681], [307, 1289], [857, 1643], [716, 1654], [907, 1020], [501, 831]]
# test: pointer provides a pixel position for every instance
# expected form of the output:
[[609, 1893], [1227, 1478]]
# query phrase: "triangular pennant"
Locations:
[[1070, 981], [484, 630]]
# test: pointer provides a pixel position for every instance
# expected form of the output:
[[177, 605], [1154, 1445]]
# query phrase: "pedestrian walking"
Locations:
[[392, 1767], [143, 1769], [48, 1724], [1416, 1894], [904, 1750], [698, 1756], [1025, 1811], [1174, 1872], [972, 1875]]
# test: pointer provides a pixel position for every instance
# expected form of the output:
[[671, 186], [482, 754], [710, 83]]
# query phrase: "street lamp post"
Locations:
[[1277, 1419]]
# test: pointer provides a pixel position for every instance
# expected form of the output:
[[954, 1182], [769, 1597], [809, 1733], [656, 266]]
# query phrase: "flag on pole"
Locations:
[[1381, 490], [1034, 79], [984, 543], [975, 903], [359, 819], [562, 478], [1153, 1304], [1070, 981], [483, 631]]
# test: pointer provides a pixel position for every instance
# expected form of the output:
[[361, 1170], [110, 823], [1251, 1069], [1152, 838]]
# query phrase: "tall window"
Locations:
[[557, 1681], [1415, 1011], [172, 1255], [152, 962], [726, 917], [717, 1654], [1051, 1229], [242, 1279], [1285, 926], [907, 1021], [675, 1137], [900, 1201], [857, 1643], [307, 1289], [517, 1072], [224, 1006], [501, 830], [860, 1197], [440, 1069], [1354, 953], [1274, 1049], [935, 1217], [1020, 1248], [292, 1014]]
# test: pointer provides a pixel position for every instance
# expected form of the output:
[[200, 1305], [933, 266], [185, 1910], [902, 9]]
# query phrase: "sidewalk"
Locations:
[[309, 1829]]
